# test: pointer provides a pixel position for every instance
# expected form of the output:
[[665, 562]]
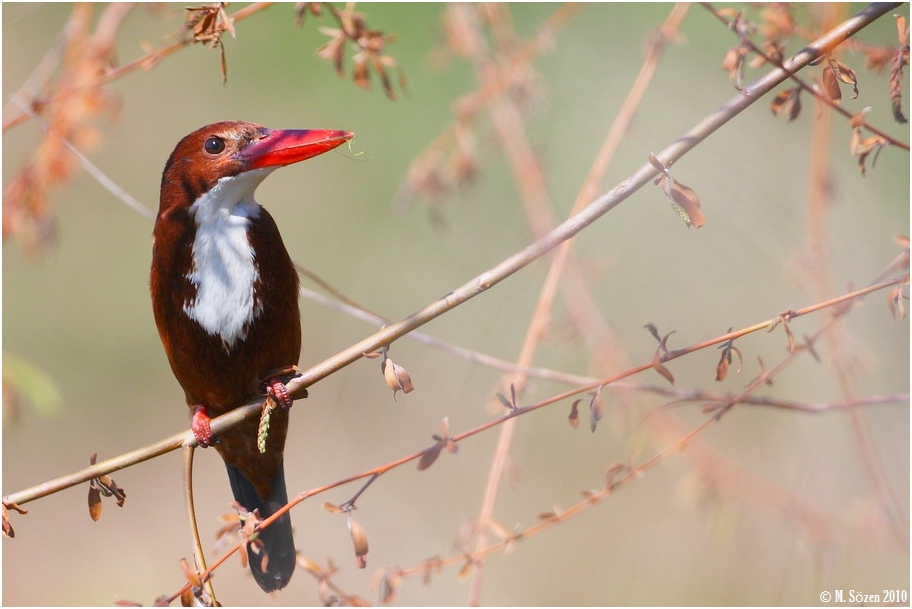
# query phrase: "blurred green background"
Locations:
[[680, 535]]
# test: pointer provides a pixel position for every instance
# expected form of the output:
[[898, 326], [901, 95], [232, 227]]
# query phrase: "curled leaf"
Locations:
[[7, 527], [844, 74], [728, 349], [683, 199], [787, 103], [397, 378], [661, 369], [359, 540], [596, 411], [430, 455], [103, 486], [574, 414], [686, 202], [190, 573], [332, 508], [831, 85], [734, 64]]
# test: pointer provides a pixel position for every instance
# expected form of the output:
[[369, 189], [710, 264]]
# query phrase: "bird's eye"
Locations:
[[215, 145]]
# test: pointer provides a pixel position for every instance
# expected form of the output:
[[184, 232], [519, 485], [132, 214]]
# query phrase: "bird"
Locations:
[[225, 301]]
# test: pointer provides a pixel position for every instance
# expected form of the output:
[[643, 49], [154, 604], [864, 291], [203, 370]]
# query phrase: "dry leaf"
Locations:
[[397, 378], [574, 414], [845, 74], [734, 64], [661, 369], [831, 85], [687, 204], [190, 573], [899, 61], [102, 486], [596, 410], [359, 540], [787, 103], [429, 456], [332, 508]]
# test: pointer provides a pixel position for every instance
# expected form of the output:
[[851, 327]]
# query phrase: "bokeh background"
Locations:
[[770, 506]]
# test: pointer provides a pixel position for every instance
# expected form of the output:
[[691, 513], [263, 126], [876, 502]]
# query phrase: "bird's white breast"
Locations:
[[224, 269]]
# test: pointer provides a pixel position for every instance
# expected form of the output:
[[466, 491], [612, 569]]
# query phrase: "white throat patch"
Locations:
[[224, 267]]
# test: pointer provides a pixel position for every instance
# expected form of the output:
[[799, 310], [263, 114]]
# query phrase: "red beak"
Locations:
[[278, 147]]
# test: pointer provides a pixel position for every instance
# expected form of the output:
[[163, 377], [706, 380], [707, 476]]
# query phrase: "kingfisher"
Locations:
[[225, 300]]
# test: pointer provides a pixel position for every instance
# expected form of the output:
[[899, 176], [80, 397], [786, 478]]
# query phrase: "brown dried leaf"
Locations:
[[334, 49], [787, 103], [734, 64], [791, 337], [359, 540], [332, 508], [397, 378], [722, 367], [772, 49], [430, 455], [687, 204], [831, 85], [845, 74], [190, 573], [657, 362], [596, 411], [574, 414], [665, 372], [7, 526], [95, 505], [862, 148], [728, 348]]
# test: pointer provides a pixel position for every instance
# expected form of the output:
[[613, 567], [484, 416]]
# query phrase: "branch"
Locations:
[[498, 273], [232, 418]]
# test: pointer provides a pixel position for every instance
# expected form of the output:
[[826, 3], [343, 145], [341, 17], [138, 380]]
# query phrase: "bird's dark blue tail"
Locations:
[[273, 567]]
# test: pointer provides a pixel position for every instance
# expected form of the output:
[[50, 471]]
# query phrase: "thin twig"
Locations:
[[198, 552], [228, 420]]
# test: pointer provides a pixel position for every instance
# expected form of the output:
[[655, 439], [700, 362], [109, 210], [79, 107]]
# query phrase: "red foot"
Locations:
[[199, 424], [275, 389]]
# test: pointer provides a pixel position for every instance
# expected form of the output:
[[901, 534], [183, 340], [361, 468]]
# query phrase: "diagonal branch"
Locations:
[[501, 271]]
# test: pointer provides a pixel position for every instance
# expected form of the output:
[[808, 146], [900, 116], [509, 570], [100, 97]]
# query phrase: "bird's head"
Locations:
[[239, 152]]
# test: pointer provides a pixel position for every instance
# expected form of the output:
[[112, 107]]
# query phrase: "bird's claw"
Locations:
[[276, 389], [199, 425], [274, 385]]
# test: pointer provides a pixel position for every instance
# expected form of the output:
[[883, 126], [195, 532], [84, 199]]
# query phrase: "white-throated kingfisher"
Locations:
[[225, 300]]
